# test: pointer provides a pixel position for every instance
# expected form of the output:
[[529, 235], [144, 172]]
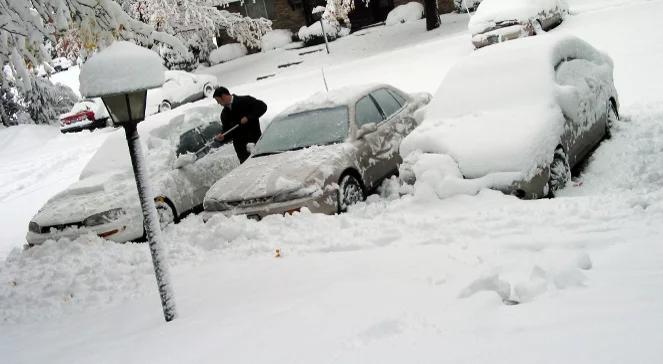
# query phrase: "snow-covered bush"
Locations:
[[227, 52], [276, 39], [463, 6], [46, 101], [404, 13], [312, 35]]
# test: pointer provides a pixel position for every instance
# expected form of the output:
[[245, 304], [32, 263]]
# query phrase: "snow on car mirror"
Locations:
[[184, 160], [366, 129], [251, 148]]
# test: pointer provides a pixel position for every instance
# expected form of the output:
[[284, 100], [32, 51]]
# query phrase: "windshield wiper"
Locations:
[[267, 153]]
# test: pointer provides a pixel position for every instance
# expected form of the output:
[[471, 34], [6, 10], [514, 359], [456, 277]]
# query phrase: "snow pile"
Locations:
[[465, 5], [119, 68], [411, 11], [277, 38], [227, 52], [313, 34], [505, 123], [491, 12]]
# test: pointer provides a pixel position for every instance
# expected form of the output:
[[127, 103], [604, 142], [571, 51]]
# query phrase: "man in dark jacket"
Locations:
[[243, 112]]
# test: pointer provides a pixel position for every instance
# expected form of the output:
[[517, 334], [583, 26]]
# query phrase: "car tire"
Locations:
[[165, 106], [560, 172], [208, 91], [611, 119], [165, 211], [350, 191]]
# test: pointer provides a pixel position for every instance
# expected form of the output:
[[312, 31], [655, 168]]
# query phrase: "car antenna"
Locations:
[[322, 68]]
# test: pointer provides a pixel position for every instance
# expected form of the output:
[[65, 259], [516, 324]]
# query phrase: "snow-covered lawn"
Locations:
[[397, 279]]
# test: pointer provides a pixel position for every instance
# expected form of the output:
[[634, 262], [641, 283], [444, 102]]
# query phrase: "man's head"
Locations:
[[222, 96]]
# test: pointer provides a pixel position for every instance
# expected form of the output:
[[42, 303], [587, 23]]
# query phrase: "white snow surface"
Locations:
[[121, 67], [491, 11], [405, 13], [411, 278], [493, 122], [227, 52], [277, 38]]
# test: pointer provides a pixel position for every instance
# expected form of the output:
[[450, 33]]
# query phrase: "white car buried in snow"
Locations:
[[515, 118], [181, 87], [88, 114], [496, 21], [183, 159]]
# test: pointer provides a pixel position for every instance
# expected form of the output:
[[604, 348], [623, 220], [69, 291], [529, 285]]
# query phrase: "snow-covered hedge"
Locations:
[[227, 52], [277, 38], [312, 35], [462, 6], [405, 13]]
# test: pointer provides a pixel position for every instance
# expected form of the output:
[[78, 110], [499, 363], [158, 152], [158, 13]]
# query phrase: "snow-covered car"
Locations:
[[88, 114], [324, 153], [61, 64], [183, 160], [181, 87], [520, 130], [496, 21]]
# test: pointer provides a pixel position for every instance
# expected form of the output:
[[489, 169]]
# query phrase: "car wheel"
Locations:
[[350, 191], [208, 90], [612, 118], [165, 211], [560, 172], [165, 106]]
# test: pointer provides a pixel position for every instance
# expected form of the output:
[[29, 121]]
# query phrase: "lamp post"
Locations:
[[121, 75]]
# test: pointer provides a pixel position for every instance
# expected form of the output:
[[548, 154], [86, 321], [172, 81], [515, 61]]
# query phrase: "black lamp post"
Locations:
[[121, 75], [127, 110]]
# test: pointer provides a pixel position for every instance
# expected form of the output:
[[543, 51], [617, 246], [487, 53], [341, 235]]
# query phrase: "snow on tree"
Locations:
[[47, 101], [195, 23]]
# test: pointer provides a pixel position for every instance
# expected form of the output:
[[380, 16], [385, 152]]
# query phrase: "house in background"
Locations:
[[293, 14]]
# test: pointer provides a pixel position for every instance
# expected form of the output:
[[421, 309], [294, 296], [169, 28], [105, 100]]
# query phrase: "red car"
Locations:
[[88, 114]]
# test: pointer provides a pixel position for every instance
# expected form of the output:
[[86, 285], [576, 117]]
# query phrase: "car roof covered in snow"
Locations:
[[491, 11], [501, 109], [347, 96]]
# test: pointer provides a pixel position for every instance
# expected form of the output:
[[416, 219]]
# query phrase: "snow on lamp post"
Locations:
[[121, 75]]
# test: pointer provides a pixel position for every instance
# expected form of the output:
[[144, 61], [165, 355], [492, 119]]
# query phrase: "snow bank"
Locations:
[[121, 67], [404, 13], [490, 12], [277, 38], [227, 52], [506, 121]]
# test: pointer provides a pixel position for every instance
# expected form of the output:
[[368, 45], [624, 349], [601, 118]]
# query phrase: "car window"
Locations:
[[190, 142], [387, 102], [211, 130], [366, 112], [401, 100]]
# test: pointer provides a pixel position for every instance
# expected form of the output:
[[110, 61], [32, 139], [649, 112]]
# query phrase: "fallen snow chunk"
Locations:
[[227, 52], [119, 68], [583, 261], [488, 283], [277, 38], [411, 11], [569, 277]]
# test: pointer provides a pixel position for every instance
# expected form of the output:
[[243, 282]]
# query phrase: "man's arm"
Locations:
[[226, 125], [257, 107]]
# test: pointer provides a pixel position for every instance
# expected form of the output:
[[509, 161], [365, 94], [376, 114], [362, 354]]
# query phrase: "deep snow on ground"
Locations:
[[397, 279]]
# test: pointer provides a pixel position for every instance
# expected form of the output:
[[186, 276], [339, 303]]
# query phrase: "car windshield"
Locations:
[[305, 129]]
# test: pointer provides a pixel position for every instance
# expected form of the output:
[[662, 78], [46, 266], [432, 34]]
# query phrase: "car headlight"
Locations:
[[295, 194], [104, 217], [34, 227]]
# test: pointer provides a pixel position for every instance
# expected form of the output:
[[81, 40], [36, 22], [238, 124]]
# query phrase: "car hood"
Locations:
[[89, 196], [269, 175]]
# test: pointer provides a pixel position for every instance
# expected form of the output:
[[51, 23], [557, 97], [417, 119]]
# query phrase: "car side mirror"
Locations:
[[251, 148], [184, 160], [366, 129]]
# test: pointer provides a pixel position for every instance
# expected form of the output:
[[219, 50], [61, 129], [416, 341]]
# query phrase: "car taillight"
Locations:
[[90, 115]]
